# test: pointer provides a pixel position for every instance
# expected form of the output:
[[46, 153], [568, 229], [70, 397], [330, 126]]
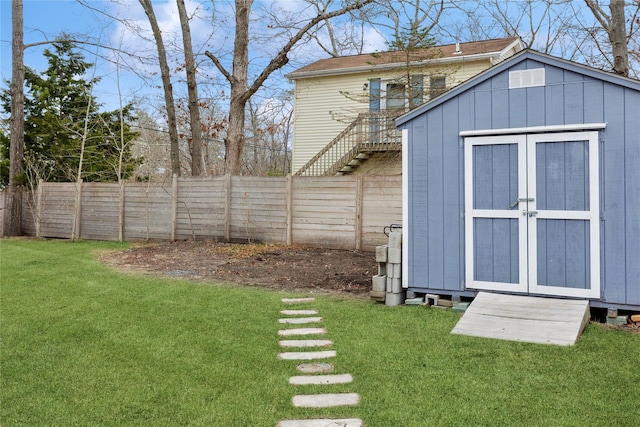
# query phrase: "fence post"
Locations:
[[174, 206], [227, 207], [289, 197], [38, 206], [121, 212], [359, 196], [77, 211]]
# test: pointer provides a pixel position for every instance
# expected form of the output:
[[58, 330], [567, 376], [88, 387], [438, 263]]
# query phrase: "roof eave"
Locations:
[[395, 65]]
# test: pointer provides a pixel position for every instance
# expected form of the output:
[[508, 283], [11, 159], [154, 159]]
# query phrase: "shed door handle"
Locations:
[[518, 200]]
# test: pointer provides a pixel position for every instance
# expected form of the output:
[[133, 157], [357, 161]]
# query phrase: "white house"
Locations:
[[344, 107]]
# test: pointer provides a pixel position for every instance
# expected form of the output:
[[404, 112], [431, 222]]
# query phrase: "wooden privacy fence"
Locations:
[[347, 212]]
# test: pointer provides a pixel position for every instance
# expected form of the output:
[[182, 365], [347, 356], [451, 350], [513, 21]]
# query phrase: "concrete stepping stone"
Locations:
[[320, 379], [300, 320], [305, 343], [297, 300], [298, 312], [322, 422], [315, 368], [302, 331], [307, 355], [325, 400]]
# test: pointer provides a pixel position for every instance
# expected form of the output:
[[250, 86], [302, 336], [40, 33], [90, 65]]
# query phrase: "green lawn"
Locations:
[[82, 345]]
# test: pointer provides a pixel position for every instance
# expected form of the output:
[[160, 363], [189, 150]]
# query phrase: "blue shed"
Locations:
[[526, 179]]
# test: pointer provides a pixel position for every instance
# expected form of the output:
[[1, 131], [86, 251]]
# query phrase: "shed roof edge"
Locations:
[[509, 62]]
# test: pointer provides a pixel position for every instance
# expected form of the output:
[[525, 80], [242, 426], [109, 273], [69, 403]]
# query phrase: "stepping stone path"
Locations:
[[344, 422], [301, 320], [307, 355], [320, 379], [302, 331], [317, 373], [306, 343]]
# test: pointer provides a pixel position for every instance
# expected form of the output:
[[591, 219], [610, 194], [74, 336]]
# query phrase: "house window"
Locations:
[[437, 85], [417, 91], [395, 96]]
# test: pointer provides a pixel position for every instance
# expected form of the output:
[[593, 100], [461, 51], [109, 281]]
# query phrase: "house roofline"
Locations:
[[499, 55], [393, 66]]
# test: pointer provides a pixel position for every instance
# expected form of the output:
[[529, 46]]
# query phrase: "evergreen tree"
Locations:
[[57, 102]]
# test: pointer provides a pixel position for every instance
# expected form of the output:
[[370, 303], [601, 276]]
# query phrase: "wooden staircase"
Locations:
[[370, 133]]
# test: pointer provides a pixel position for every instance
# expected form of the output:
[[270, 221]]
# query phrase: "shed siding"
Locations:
[[632, 195], [435, 171], [614, 196]]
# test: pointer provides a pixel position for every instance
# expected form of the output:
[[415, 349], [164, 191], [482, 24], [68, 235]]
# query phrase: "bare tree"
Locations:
[[542, 24], [197, 164], [241, 91], [591, 35], [13, 212], [616, 29], [166, 84], [152, 145], [420, 16], [269, 130], [346, 37]]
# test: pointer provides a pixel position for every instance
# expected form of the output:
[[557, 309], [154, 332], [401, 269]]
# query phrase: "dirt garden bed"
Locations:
[[273, 266]]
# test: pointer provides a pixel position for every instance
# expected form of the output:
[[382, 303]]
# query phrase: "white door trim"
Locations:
[[534, 129], [592, 215], [527, 224], [470, 214]]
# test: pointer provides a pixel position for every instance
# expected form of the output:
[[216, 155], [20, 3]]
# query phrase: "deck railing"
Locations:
[[369, 133]]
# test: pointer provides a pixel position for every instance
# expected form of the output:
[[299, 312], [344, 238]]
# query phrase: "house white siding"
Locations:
[[325, 105]]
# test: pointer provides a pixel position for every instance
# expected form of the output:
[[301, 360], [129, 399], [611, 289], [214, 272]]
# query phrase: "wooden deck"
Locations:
[[524, 318]]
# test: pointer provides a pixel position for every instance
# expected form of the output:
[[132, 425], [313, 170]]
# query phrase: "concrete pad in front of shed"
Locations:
[[524, 318], [307, 355], [325, 400], [320, 379], [322, 422], [300, 320], [305, 343], [302, 331]]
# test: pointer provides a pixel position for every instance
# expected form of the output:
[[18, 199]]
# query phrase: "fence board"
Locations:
[[316, 211], [100, 213], [381, 206], [56, 214], [201, 208]]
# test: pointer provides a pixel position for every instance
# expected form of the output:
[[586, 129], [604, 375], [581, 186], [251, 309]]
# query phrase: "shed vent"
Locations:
[[526, 78]]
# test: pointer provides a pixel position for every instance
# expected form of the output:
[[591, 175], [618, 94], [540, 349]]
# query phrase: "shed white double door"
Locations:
[[532, 215]]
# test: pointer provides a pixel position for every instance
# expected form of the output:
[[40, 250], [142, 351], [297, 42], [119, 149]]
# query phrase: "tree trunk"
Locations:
[[618, 38], [12, 224], [235, 132], [197, 164], [166, 84], [616, 30], [240, 91]]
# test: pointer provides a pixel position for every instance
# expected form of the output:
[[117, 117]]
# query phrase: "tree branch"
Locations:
[[599, 14], [280, 60], [219, 66]]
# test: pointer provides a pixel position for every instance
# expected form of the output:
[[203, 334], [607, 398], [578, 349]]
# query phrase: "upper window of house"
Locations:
[[417, 91], [437, 85], [395, 96]]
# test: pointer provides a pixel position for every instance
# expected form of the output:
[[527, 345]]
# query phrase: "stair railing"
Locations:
[[369, 132]]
